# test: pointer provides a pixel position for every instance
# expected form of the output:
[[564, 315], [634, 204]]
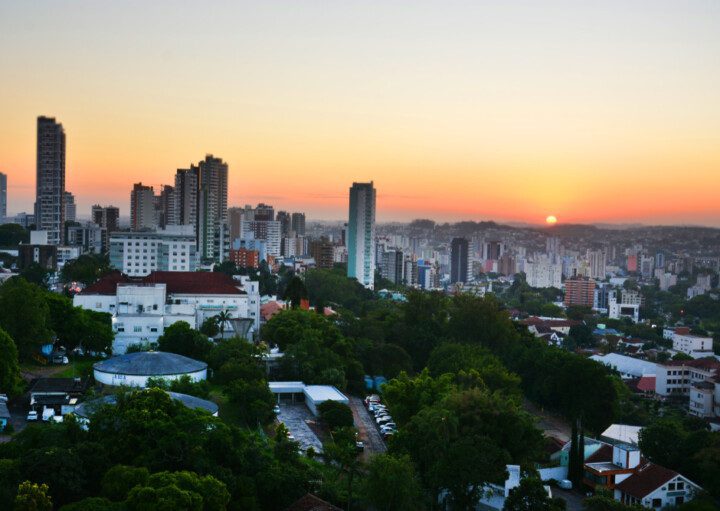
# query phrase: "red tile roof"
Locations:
[[177, 282], [268, 310], [647, 479], [310, 502], [646, 384], [700, 363]]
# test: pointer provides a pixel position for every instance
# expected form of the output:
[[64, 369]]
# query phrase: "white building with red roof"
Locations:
[[142, 307]]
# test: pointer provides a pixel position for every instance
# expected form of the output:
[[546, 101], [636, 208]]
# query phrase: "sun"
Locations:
[[551, 220]]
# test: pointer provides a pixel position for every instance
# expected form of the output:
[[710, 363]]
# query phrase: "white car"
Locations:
[[32, 416]]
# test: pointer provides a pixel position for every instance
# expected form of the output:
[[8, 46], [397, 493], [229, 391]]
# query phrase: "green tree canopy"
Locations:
[[24, 315], [180, 338]]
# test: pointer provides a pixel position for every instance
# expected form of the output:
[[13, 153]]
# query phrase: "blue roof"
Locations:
[[150, 363]]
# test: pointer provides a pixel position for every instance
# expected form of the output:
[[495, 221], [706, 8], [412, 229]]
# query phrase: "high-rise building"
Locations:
[[459, 260], [579, 291], [3, 197], [392, 266], [361, 234], [235, 218], [50, 179], [70, 207], [212, 208], [268, 231], [285, 223], [142, 208], [264, 213], [598, 264], [165, 207], [106, 216], [186, 196], [323, 252], [493, 250], [298, 223], [543, 272]]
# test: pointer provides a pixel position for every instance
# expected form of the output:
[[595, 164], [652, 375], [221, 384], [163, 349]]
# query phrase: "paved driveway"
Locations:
[[365, 424], [295, 418], [573, 499]]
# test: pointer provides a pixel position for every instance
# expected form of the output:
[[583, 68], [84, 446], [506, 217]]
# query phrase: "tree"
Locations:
[[86, 269], [391, 484], [171, 491], [36, 274], [295, 292], [222, 319], [33, 497], [209, 327], [11, 235], [530, 495], [120, 479], [180, 338], [253, 400], [24, 315], [336, 415], [9, 367], [342, 453], [603, 501]]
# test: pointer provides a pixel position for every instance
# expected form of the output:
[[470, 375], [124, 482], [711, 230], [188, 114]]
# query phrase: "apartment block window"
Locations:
[[137, 328]]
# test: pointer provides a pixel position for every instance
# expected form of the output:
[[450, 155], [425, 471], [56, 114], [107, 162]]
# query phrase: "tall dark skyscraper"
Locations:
[[50, 179], [459, 260], [284, 218], [298, 223], [212, 230], [3, 196]]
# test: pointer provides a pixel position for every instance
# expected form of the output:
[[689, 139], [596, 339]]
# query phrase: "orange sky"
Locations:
[[457, 110]]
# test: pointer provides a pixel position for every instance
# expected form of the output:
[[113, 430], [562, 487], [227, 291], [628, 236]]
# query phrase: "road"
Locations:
[[573, 499], [365, 425], [550, 424]]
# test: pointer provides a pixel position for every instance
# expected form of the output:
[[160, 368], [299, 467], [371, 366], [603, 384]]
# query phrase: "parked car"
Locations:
[[3, 398], [48, 414], [276, 409], [388, 425], [32, 416], [383, 420], [388, 435], [360, 446]]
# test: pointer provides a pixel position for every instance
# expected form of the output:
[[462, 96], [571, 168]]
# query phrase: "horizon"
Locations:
[[457, 111]]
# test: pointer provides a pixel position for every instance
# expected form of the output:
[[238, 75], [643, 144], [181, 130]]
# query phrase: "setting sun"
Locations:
[[551, 220]]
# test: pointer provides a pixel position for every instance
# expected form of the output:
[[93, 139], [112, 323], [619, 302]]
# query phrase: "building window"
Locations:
[[137, 328], [656, 503]]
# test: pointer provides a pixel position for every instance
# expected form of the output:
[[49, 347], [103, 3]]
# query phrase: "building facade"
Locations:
[[140, 253], [361, 234], [142, 307], [459, 260], [143, 215], [50, 179], [3, 197]]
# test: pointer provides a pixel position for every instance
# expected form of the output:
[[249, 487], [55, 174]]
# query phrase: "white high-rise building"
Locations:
[[543, 273], [140, 253], [361, 234], [598, 265]]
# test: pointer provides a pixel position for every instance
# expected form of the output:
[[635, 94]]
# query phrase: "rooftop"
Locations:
[[177, 282], [150, 363], [57, 386], [647, 479]]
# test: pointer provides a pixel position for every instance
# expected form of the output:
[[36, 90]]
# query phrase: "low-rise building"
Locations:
[[697, 346], [142, 307]]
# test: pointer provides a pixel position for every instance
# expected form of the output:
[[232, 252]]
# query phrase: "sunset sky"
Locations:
[[456, 109]]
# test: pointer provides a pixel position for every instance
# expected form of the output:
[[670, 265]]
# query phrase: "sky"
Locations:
[[479, 110]]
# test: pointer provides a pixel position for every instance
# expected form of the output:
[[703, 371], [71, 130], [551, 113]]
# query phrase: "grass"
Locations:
[[76, 368]]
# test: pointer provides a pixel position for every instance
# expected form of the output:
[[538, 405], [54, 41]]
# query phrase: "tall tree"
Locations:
[[391, 484], [24, 315], [9, 367]]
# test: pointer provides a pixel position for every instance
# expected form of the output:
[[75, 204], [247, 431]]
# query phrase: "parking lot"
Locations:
[[365, 423], [295, 417]]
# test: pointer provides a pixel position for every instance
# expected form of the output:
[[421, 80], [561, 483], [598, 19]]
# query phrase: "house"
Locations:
[[655, 487], [634, 480], [628, 367], [58, 394], [559, 325], [142, 307]]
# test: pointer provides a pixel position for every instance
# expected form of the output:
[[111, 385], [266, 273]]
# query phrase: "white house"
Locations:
[[142, 307], [655, 487]]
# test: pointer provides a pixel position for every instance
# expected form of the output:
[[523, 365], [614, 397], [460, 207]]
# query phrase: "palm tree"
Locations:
[[222, 319]]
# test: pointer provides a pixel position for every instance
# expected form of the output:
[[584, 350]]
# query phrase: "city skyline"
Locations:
[[505, 112]]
